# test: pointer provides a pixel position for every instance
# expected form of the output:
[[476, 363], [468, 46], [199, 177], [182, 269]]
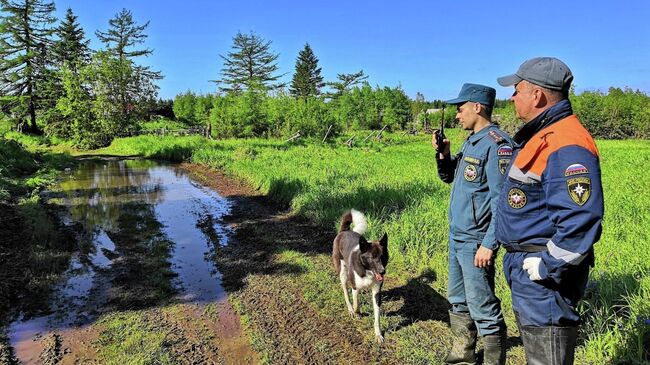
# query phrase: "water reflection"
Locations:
[[153, 231]]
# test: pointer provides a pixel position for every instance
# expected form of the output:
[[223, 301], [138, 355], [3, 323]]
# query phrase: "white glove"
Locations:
[[531, 264]]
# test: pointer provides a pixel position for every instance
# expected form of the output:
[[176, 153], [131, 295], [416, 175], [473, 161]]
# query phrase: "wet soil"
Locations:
[[134, 273], [285, 326]]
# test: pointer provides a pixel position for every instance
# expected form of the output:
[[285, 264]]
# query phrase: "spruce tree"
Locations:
[[137, 84], [307, 80], [71, 48], [25, 41], [250, 64]]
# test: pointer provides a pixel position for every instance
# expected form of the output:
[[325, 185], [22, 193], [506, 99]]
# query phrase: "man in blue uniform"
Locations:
[[550, 211], [477, 172]]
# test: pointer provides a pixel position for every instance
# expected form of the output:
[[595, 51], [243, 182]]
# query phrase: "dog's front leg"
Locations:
[[355, 302], [376, 302]]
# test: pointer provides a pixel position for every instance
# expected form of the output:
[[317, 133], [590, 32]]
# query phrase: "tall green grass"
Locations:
[[395, 183]]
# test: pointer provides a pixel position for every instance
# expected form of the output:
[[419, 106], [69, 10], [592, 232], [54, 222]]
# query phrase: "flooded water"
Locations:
[[127, 208]]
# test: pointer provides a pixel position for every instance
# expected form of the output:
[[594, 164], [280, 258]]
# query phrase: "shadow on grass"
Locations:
[[421, 301]]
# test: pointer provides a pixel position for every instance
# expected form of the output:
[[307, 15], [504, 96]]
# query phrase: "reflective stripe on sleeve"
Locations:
[[564, 255]]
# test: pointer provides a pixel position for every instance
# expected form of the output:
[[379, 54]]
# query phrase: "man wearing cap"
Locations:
[[477, 172], [550, 211]]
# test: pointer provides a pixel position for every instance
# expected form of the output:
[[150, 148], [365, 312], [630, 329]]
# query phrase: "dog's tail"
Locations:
[[354, 217]]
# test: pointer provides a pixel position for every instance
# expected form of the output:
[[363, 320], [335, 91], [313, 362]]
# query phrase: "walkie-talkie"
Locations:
[[440, 133]]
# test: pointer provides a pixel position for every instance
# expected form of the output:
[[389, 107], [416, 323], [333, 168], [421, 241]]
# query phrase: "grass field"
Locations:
[[395, 183]]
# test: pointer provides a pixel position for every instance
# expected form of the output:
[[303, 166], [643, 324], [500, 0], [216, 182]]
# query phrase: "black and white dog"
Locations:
[[359, 263]]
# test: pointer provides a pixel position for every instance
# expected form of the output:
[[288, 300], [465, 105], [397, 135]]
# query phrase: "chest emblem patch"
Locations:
[[503, 165], [504, 151], [517, 198], [579, 189], [470, 173], [575, 169]]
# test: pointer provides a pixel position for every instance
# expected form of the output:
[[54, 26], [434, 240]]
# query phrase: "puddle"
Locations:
[[104, 197], [71, 305]]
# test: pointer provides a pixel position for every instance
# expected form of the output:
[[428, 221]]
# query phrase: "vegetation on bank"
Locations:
[[34, 249]]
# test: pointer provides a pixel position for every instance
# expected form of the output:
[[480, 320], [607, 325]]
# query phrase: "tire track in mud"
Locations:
[[299, 334]]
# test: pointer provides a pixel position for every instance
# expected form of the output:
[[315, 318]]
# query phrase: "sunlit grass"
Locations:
[[127, 338]]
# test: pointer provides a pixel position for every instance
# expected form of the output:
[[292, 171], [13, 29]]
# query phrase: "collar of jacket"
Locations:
[[475, 137], [549, 116]]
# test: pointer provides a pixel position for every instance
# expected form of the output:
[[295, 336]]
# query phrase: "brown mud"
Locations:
[[285, 326]]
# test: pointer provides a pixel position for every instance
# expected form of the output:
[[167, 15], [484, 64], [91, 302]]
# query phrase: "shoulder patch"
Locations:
[[495, 137], [503, 165], [504, 150], [575, 169], [579, 189]]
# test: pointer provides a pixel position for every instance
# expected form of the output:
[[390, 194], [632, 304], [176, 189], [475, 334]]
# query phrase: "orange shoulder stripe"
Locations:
[[566, 132]]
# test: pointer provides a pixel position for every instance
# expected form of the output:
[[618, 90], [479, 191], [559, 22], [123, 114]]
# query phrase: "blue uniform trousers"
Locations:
[[471, 289], [544, 303]]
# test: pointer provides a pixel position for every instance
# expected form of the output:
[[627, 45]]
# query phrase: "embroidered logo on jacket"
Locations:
[[575, 169], [517, 198], [470, 173], [503, 165], [579, 189], [504, 151]]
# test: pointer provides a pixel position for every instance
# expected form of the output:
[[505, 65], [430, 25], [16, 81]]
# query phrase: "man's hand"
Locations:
[[483, 257], [446, 150], [531, 265]]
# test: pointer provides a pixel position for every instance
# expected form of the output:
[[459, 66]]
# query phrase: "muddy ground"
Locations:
[[287, 322], [283, 307]]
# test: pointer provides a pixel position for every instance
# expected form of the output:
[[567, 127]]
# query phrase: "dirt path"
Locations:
[[286, 327]]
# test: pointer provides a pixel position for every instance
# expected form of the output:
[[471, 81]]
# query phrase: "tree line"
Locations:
[[251, 100]]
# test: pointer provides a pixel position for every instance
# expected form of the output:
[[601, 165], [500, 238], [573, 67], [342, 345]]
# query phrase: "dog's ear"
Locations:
[[384, 240], [384, 248], [364, 245]]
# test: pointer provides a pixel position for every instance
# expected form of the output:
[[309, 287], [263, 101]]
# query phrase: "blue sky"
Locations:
[[427, 46]]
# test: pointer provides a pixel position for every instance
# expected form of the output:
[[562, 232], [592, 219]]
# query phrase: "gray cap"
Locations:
[[475, 93], [547, 72]]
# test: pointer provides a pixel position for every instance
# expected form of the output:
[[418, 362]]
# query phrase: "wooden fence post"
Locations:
[[326, 134], [371, 133], [378, 137], [294, 137]]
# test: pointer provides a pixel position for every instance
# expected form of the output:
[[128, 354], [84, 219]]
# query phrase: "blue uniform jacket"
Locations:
[[552, 195], [477, 172]]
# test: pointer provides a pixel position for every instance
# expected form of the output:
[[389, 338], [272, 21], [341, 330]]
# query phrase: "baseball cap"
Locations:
[[475, 93], [547, 72]]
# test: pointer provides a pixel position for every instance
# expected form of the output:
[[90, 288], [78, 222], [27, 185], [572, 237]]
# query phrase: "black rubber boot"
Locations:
[[549, 345], [494, 352], [464, 331]]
